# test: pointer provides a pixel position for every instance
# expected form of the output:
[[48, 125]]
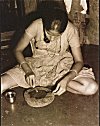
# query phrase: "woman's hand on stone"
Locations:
[[30, 79]]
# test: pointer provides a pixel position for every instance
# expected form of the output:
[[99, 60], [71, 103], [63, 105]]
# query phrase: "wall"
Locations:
[[92, 22], [93, 26]]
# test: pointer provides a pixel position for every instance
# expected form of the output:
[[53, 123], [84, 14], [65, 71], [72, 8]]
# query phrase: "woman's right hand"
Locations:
[[30, 79]]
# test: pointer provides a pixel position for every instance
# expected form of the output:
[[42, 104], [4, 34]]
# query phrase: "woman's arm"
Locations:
[[30, 33], [77, 66], [22, 44], [78, 61]]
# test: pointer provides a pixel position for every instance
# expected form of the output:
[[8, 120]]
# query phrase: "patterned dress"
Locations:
[[50, 61]]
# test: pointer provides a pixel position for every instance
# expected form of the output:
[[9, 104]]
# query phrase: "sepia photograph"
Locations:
[[49, 62]]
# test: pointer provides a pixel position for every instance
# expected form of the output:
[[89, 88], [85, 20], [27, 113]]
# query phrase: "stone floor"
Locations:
[[66, 110]]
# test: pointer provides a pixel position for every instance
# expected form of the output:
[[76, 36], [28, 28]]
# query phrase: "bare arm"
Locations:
[[29, 34], [77, 66], [22, 44], [78, 60]]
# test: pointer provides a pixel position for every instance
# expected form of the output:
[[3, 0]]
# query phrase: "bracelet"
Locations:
[[23, 63], [74, 71], [28, 73]]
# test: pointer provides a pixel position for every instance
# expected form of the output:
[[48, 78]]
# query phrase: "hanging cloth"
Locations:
[[84, 5], [68, 4]]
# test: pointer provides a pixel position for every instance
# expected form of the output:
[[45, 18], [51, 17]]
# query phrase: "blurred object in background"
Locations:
[[30, 6]]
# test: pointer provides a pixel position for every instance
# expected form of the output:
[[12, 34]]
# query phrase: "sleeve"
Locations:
[[31, 31], [73, 37]]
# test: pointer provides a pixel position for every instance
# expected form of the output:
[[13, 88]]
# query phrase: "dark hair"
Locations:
[[52, 16]]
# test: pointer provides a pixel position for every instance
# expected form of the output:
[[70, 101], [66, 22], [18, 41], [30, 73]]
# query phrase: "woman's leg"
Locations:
[[7, 82], [83, 85]]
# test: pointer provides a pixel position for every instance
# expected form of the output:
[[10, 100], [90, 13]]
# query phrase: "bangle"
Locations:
[[28, 73], [74, 71], [23, 63]]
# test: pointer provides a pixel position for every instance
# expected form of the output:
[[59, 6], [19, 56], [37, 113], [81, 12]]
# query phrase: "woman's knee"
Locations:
[[6, 82], [88, 86], [91, 88]]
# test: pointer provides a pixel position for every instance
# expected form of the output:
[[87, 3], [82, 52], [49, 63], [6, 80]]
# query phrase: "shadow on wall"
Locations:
[[51, 4]]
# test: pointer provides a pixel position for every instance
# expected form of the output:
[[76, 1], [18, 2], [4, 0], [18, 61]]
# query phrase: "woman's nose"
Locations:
[[52, 38]]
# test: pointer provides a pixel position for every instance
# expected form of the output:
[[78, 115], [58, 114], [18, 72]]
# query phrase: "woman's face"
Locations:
[[52, 34]]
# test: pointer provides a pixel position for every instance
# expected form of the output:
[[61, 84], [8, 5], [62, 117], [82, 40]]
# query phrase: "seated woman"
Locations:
[[52, 63]]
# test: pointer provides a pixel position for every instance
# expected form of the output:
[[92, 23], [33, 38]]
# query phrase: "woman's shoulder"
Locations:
[[70, 28], [37, 21], [33, 28], [71, 25]]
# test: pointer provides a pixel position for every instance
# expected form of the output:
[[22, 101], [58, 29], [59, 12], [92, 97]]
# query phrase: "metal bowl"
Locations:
[[10, 96]]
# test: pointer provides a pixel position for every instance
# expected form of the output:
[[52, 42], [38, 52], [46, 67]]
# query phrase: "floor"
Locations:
[[66, 110]]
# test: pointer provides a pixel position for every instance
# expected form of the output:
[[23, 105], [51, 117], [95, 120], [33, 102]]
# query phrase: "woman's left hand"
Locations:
[[61, 87]]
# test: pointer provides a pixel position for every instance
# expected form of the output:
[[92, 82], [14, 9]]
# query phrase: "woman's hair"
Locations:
[[55, 19]]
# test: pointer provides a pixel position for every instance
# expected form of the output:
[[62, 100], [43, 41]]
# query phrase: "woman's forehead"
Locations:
[[53, 33]]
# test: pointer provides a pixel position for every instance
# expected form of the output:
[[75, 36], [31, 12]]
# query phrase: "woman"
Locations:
[[52, 63]]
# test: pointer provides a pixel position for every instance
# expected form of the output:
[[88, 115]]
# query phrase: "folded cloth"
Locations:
[[86, 72]]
